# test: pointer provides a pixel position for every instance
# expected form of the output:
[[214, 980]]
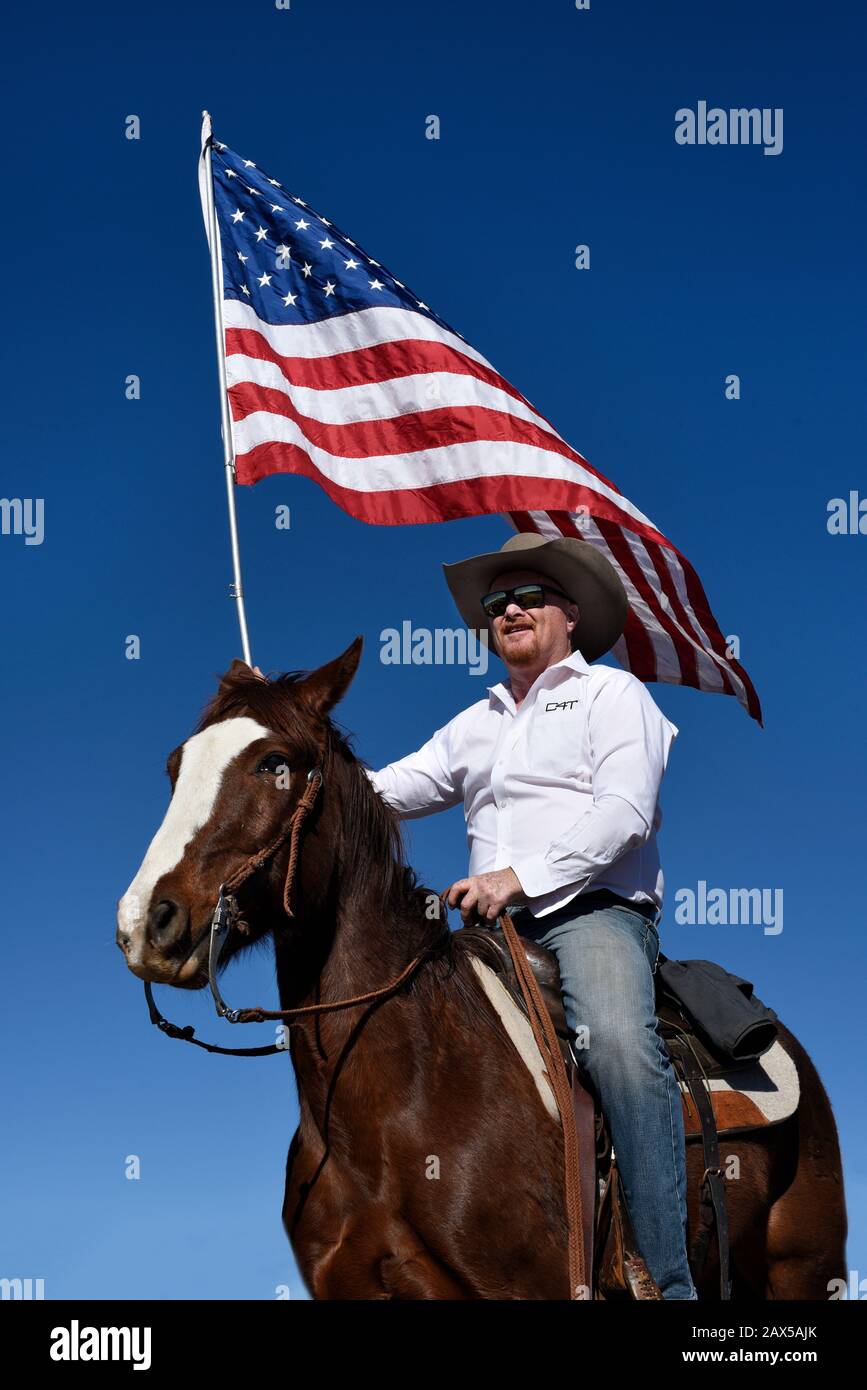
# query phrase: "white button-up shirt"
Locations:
[[564, 789]]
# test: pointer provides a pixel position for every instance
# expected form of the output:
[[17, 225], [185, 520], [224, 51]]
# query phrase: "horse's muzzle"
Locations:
[[165, 950]]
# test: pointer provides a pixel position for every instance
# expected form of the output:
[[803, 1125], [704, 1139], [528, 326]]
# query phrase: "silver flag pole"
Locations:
[[206, 189]]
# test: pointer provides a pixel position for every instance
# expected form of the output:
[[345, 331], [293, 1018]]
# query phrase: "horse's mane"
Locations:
[[372, 853]]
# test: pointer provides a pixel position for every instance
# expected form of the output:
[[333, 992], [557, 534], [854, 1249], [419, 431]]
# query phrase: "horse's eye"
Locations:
[[274, 763]]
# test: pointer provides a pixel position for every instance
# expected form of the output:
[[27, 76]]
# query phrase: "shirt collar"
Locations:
[[502, 693]]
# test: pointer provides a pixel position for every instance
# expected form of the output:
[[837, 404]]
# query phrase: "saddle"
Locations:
[[718, 1094]]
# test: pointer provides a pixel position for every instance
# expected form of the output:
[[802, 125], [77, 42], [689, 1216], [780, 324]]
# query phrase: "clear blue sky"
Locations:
[[557, 129]]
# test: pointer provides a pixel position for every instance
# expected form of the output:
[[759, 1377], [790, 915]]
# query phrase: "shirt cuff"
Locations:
[[536, 877]]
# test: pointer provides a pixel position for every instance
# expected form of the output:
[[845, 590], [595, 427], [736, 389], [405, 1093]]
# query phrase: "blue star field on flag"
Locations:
[[288, 262]]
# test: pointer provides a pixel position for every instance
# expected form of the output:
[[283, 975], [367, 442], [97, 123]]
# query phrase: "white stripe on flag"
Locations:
[[382, 400], [346, 333], [423, 468], [707, 670]]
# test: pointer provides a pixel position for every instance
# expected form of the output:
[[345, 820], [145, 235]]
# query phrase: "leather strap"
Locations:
[[584, 1110], [172, 1030], [546, 1038], [713, 1210]]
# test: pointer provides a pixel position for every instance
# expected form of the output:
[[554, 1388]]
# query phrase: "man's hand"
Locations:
[[483, 898]]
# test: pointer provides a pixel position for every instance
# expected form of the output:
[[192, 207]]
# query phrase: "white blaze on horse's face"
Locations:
[[204, 760]]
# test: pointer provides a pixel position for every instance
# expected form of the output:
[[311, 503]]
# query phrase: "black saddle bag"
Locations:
[[722, 1007]]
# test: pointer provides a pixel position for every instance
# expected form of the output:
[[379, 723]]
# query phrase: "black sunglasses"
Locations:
[[525, 595]]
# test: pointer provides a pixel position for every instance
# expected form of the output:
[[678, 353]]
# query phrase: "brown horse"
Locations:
[[425, 1165]]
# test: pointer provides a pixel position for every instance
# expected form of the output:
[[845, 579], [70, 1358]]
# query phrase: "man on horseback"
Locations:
[[558, 770]]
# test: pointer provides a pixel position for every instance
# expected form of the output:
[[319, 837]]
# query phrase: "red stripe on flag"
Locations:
[[642, 657], [701, 607], [437, 428], [365, 366], [514, 492], [622, 551], [387, 362], [642, 654], [398, 506]]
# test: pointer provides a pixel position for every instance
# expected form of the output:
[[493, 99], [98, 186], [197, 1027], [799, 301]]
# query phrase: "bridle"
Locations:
[[227, 914]]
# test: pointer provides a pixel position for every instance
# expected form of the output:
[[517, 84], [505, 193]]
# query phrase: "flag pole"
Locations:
[[206, 188]]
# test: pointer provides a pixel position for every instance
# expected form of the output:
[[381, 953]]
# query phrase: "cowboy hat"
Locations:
[[576, 567]]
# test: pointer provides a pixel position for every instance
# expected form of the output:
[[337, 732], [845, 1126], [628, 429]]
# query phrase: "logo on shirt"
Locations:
[[560, 704]]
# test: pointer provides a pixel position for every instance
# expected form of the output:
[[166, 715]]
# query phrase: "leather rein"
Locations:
[[227, 915]]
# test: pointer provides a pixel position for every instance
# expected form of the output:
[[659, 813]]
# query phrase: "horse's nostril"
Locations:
[[167, 923], [162, 914], [122, 940]]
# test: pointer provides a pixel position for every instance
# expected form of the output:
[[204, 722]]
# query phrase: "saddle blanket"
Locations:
[[749, 1096]]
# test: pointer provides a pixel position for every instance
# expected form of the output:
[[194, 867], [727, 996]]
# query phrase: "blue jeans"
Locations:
[[607, 959]]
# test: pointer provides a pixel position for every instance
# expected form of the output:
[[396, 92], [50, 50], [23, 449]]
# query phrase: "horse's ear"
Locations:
[[239, 670], [324, 688]]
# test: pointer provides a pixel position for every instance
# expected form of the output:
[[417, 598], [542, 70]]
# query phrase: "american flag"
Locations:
[[338, 371]]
